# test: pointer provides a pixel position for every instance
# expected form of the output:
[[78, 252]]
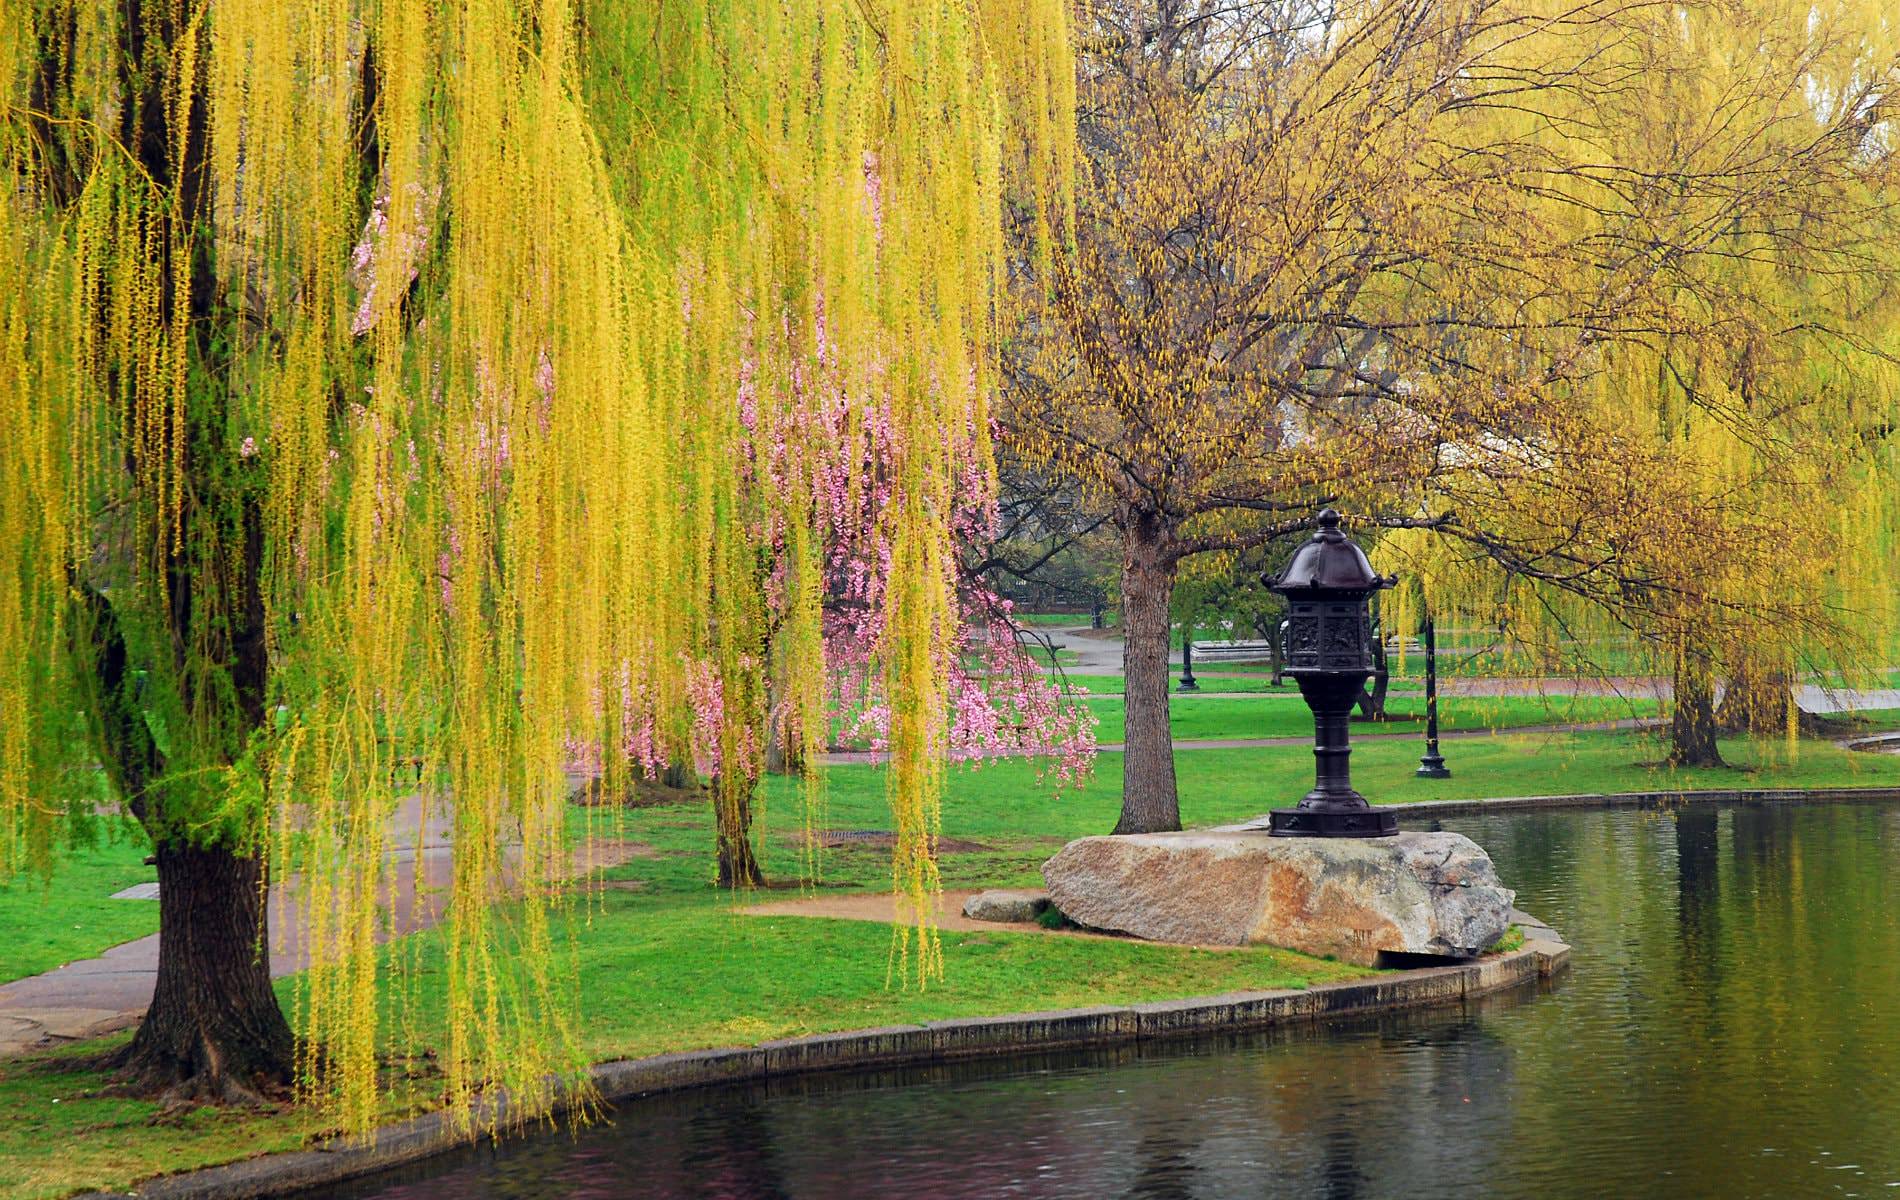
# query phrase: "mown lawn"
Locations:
[[52, 920], [1211, 685], [1286, 715], [1007, 800]]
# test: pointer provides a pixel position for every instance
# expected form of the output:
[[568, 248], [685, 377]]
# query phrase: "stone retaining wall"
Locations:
[[1663, 799], [895, 1045]]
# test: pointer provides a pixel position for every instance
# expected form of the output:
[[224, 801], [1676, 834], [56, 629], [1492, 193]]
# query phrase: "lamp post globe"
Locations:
[[1328, 585]]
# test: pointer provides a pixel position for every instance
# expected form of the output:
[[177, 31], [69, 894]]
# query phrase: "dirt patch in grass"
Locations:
[[880, 906], [882, 839], [644, 793]]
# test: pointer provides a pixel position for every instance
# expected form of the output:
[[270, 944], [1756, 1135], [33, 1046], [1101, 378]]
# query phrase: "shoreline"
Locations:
[[951, 1040]]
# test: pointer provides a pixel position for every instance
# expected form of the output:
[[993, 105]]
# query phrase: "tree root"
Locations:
[[180, 1085]]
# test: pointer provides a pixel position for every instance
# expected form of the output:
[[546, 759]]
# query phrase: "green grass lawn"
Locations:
[[52, 921], [1062, 657], [1007, 801], [1286, 715], [1114, 685], [1250, 684], [1054, 619]]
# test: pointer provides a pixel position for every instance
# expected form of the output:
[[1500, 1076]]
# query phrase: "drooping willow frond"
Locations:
[[418, 331]]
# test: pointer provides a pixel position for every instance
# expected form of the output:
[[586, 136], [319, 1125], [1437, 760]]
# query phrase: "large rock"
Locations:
[[1417, 893], [999, 904]]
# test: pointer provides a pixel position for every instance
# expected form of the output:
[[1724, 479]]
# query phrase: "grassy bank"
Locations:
[[1006, 800], [666, 964]]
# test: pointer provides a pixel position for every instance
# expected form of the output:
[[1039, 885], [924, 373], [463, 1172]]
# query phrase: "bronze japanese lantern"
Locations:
[[1328, 585]]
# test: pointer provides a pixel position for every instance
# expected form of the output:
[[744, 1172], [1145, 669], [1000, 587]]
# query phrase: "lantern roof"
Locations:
[[1329, 564]]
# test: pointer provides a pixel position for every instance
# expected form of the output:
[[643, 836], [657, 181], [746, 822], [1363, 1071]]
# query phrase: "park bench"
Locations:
[[1231, 651], [1236, 651]]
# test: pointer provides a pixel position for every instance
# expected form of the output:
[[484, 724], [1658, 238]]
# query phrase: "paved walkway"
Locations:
[[100, 995], [1099, 652], [1415, 731]]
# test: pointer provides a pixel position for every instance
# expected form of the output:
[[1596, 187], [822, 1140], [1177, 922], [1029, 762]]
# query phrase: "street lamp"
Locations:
[[1432, 765], [1188, 683], [1327, 585]]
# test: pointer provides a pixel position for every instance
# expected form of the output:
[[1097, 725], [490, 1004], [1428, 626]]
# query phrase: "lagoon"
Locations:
[[1730, 1027]]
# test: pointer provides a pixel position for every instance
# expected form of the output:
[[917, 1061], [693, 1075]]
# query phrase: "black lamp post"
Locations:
[[1329, 653], [1188, 682], [1432, 765]]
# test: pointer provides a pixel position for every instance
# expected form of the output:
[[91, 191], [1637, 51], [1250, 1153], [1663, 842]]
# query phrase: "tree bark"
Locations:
[[1149, 801], [679, 776], [732, 818], [1372, 694], [1692, 727], [215, 1031]]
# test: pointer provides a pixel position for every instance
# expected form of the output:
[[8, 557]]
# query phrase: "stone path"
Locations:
[[1099, 652], [1415, 731], [100, 995]]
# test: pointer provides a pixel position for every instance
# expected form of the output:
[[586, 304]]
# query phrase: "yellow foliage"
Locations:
[[449, 302]]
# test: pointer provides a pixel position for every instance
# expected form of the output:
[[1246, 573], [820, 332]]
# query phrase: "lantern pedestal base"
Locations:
[[1432, 766], [1365, 822]]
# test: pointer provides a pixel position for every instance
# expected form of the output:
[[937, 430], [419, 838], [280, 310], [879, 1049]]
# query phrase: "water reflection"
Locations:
[[1727, 1030]]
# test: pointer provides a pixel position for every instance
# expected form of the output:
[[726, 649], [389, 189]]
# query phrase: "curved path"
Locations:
[[96, 996], [1099, 652], [1413, 732]]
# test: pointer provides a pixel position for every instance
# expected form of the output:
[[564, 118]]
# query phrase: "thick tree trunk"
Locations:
[[1372, 695], [1692, 727], [679, 776], [1149, 802], [214, 1031], [732, 818]]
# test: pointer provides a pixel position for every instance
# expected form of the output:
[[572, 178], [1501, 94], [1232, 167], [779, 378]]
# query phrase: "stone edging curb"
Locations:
[[895, 1045], [1662, 799]]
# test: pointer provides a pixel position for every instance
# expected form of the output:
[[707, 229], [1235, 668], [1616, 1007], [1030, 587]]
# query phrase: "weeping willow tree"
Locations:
[[1727, 515], [374, 377]]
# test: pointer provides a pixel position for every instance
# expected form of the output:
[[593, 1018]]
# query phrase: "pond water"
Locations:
[[1730, 1027]]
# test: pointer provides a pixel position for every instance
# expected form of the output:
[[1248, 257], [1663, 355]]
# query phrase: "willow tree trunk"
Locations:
[[1692, 727], [732, 821], [214, 1030], [1372, 693], [1149, 801]]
